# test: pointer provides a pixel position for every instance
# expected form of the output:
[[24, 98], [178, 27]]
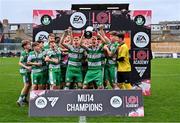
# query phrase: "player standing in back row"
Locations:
[[75, 55]]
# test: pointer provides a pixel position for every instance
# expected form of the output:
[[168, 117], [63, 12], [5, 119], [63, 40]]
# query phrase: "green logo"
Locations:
[[46, 20], [140, 20]]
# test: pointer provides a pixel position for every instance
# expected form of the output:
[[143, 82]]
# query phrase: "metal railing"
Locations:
[[10, 47]]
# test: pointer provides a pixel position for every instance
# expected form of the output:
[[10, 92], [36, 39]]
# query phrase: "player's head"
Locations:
[[52, 44], [41, 43], [51, 37], [76, 41], [94, 41], [26, 44], [36, 47], [116, 36]]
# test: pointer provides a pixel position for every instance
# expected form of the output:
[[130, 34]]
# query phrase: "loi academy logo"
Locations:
[[141, 39], [116, 101], [140, 20], [78, 20], [46, 20]]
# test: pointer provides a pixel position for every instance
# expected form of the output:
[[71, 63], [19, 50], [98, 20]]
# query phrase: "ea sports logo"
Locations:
[[42, 35], [116, 101], [41, 102], [141, 39], [78, 20]]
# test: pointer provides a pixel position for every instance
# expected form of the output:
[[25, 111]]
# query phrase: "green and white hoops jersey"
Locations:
[[54, 54], [75, 56], [23, 60], [94, 57], [38, 58], [113, 48]]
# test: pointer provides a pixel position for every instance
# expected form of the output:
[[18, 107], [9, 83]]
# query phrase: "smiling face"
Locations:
[[76, 41], [94, 42], [52, 44], [51, 38], [41, 44], [27, 46], [37, 48]]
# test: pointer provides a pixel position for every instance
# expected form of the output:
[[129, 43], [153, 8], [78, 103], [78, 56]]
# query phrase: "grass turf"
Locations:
[[163, 105]]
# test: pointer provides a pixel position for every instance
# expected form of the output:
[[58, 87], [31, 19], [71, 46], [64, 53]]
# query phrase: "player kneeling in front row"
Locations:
[[25, 71], [35, 59]]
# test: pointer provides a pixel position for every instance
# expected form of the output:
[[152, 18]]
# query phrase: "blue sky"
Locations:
[[18, 11]]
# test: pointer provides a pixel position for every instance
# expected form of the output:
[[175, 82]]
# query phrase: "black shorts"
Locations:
[[123, 77]]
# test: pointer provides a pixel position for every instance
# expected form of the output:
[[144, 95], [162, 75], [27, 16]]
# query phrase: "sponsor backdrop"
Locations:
[[136, 23], [86, 103]]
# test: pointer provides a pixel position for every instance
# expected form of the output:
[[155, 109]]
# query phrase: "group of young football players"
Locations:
[[75, 62]]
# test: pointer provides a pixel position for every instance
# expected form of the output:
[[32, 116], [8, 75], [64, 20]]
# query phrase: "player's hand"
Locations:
[[46, 59], [70, 28], [98, 34], [56, 61], [66, 31], [28, 68], [105, 47], [101, 27]]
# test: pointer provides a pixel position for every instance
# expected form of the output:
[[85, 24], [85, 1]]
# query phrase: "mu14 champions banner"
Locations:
[[86, 103], [135, 24]]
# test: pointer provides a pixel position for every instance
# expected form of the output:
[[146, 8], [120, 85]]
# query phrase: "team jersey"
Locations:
[[113, 47], [94, 57], [54, 54], [38, 58], [124, 66], [23, 60], [46, 46], [75, 55]]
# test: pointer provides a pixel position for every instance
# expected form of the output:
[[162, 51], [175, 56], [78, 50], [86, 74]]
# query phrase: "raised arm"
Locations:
[[81, 41], [102, 33], [70, 33], [109, 53], [62, 37], [65, 33]]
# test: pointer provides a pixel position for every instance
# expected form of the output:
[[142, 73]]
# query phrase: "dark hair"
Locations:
[[35, 44], [116, 33], [121, 35], [40, 41], [25, 42], [51, 35]]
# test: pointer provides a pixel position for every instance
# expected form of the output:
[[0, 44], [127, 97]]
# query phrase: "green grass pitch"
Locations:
[[163, 105]]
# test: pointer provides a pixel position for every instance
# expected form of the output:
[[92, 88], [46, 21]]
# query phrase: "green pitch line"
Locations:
[[163, 105]]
